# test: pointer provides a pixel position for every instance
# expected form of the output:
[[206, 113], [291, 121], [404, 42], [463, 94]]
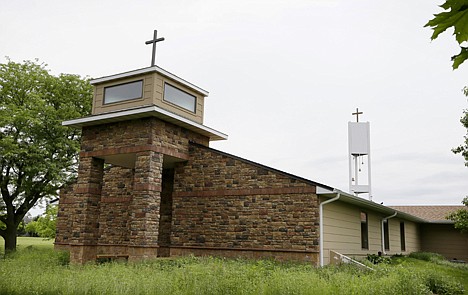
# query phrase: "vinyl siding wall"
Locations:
[[342, 232]]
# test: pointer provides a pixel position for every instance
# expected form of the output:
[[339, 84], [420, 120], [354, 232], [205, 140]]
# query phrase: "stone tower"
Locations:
[[141, 126]]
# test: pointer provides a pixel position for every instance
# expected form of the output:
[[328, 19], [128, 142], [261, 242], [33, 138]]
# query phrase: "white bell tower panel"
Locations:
[[359, 139], [359, 157]]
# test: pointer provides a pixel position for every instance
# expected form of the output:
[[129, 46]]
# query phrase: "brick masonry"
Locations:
[[207, 203], [228, 205], [138, 136]]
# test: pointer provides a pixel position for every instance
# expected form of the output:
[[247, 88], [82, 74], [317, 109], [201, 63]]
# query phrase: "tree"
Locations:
[[37, 154], [45, 224], [456, 16], [460, 217]]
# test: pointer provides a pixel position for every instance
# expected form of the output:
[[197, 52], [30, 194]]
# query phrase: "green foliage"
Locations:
[[376, 259], [455, 16], [49, 273], [37, 154], [45, 225], [427, 256], [460, 217], [443, 285]]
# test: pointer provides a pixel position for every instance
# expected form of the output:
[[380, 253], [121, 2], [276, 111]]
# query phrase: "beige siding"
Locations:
[[98, 103], [197, 116], [342, 232], [445, 240], [153, 94], [413, 237]]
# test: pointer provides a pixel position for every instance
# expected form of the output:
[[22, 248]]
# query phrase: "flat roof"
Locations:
[[143, 112], [150, 70]]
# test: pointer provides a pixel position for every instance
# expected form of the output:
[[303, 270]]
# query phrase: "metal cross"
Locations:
[[357, 113], [154, 41]]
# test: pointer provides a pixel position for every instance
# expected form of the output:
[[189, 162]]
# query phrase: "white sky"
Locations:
[[283, 76]]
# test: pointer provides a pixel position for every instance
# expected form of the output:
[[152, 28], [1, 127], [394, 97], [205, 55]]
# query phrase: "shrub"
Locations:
[[45, 225], [376, 259]]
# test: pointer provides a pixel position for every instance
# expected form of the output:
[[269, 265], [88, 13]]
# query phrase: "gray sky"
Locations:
[[284, 78]]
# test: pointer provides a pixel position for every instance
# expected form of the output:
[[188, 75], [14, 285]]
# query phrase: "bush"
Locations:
[[376, 259], [45, 225]]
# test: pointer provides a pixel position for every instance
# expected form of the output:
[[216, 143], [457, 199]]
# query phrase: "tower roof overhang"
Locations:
[[145, 112]]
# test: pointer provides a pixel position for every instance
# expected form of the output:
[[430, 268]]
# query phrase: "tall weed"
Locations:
[[41, 271]]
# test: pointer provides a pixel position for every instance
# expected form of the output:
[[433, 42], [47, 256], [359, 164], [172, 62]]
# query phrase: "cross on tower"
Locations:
[[357, 113], [154, 41]]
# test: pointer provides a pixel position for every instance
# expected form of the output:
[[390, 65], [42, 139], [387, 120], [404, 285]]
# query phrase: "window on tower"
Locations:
[[123, 92], [179, 97]]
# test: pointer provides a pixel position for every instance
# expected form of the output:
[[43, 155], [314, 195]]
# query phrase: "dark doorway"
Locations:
[[165, 212]]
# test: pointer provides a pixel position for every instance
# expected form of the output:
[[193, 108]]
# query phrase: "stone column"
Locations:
[[144, 218], [87, 195]]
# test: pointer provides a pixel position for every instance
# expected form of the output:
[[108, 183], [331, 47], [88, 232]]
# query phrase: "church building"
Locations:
[[149, 185]]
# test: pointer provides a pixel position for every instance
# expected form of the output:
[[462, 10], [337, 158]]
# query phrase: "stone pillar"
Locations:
[[87, 195], [144, 219]]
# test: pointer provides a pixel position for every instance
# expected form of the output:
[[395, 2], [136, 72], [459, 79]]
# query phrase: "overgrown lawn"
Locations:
[[37, 269]]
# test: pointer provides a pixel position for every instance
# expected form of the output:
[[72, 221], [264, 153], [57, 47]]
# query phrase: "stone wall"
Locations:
[[64, 221], [138, 135], [114, 206], [221, 202], [211, 204], [117, 210]]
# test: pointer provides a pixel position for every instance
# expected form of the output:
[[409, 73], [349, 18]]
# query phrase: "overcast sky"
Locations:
[[284, 78]]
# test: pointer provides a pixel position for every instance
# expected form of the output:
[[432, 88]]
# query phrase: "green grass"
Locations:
[[37, 269], [438, 265], [24, 242]]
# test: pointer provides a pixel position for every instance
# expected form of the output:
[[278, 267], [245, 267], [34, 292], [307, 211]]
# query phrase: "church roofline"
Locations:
[[323, 186], [432, 213], [142, 112], [364, 203], [150, 70]]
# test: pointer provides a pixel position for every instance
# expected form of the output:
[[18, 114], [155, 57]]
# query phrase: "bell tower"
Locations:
[[141, 124], [359, 157]]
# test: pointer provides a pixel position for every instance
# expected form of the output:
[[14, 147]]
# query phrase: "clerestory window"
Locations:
[[123, 92], [179, 97]]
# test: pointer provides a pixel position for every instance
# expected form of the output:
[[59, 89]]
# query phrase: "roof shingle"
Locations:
[[430, 213]]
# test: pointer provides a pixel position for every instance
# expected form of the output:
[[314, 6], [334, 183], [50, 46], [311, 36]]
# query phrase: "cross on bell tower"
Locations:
[[357, 113], [154, 41]]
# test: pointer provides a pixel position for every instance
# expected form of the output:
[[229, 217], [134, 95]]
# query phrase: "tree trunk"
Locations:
[[10, 239]]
